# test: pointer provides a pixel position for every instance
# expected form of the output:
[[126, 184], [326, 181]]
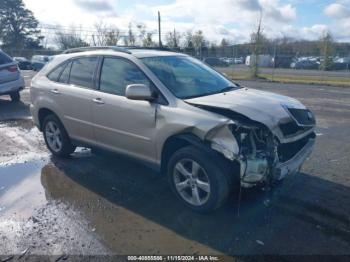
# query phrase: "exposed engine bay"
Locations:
[[263, 158]]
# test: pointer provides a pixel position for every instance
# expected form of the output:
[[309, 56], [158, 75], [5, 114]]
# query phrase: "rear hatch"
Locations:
[[8, 69]]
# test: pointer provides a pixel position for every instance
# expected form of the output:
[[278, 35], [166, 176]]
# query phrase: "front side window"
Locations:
[[82, 71], [187, 77], [117, 74]]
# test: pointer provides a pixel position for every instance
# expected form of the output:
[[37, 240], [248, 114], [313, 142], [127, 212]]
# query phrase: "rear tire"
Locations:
[[15, 96], [197, 180], [56, 137]]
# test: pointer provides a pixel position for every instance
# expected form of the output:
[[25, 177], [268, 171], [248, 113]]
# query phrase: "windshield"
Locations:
[[187, 77]]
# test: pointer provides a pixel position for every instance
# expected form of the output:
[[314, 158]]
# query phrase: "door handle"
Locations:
[[55, 91], [98, 101]]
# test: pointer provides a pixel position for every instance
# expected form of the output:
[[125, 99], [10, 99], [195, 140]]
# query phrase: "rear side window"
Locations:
[[82, 71], [55, 74], [4, 59], [117, 73]]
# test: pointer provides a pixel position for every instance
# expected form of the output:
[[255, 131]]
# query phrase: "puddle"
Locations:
[[30, 217], [67, 205], [21, 191]]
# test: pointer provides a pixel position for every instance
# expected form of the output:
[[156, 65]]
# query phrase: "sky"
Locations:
[[230, 19]]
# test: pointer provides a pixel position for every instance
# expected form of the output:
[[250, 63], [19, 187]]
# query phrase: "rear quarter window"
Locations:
[[55, 74], [64, 77]]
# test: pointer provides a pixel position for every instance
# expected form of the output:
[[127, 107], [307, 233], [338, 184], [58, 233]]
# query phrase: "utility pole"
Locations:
[[175, 41], [159, 31]]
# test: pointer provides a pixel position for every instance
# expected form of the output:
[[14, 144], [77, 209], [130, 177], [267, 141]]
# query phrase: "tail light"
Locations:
[[12, 68]]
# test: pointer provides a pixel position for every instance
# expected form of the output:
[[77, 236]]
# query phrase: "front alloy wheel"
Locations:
[[198, 179], [191, 182]]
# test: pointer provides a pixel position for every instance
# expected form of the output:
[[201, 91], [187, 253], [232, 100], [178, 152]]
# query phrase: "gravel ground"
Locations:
[[107, 204]]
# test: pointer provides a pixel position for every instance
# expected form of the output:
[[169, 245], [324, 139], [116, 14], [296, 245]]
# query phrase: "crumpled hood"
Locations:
[[264, 107]]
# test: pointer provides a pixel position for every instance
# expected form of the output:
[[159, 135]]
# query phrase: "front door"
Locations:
[[121, 124]]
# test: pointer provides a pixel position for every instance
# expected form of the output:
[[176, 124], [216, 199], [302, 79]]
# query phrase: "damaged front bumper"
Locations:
[[293, 165], [261, 157], [279, 170]]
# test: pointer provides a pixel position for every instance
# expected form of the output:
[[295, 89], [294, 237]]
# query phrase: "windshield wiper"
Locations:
[[226, 89], [229, 88]]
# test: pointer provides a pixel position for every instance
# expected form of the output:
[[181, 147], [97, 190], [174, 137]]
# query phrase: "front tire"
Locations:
[[197, 180], [15, 96], [56, 137]]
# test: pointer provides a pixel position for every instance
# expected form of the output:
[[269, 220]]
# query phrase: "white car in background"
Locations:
[[11, 81]]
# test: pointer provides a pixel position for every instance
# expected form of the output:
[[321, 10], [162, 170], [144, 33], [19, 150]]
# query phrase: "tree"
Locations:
[[224, 43], [327, 50], [112, 36], [18, 26], [213, 49], [148, 41], [256, 40], [198, 40], [106, 35], [66, 40], [130, 39], [142, 32], [188, 40], [173, 39], [146, 38]]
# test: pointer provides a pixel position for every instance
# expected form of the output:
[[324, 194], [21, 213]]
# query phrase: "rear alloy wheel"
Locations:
[[56, 137], [15, 96], [197, 179]]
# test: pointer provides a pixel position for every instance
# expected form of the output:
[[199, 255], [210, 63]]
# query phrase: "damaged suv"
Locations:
[[206, 133]]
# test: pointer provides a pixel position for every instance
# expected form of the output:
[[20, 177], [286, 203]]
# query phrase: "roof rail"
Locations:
[[163, 48], [95, 48]]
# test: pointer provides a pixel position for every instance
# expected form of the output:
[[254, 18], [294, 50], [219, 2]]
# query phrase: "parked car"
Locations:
[[305, 64], [215, 62], [339, 66], [263, 60], [11, 81], [39, 61], [208, 135], [239, 60], [23, 63], [281, 61]]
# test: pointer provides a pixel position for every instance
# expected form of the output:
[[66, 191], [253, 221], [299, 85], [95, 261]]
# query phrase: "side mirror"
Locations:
[[139, 92]]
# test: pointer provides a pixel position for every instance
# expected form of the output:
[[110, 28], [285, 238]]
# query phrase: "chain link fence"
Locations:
[[279, 63], [275, 63]]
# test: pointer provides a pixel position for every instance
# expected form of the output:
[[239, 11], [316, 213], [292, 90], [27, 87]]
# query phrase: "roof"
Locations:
[[137, 52], [141, 53]]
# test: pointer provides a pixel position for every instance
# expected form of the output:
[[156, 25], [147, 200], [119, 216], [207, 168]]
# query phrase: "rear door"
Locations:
[[8, 69], [122, 124], [73, 93]]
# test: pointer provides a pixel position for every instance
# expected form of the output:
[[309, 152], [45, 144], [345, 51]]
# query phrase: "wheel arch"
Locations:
[[178, 141], [43, 113], [175, 142]]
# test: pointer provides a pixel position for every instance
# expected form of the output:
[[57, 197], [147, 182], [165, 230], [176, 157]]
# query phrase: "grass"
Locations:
[[295, 79], [335, 81]]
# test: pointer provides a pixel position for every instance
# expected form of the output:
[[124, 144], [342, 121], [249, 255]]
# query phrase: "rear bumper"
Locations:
[[293, 165], [34, 114], [13, 86]]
